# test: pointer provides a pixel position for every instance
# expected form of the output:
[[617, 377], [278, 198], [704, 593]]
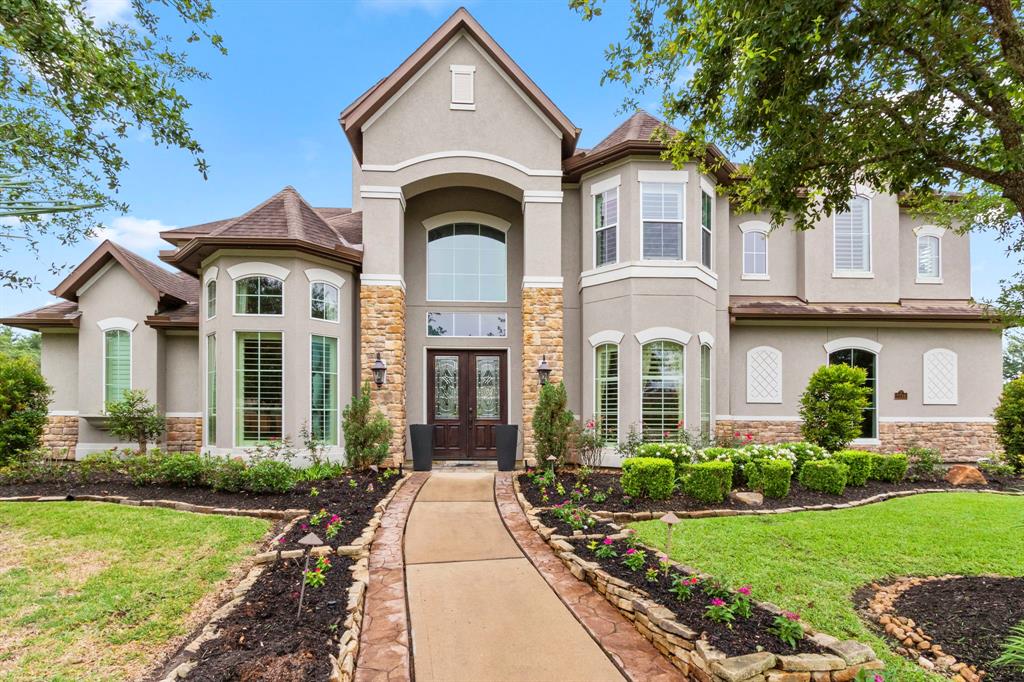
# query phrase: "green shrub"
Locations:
[[826, 475], [552, 424], [888, 468], [805, 452], [923, 463], [226, 474], [708, 481], [859, 463], [270, 476], [1009, 415], [322, 471], [680, 454], [182, 469], [24, 400], [651, 477], [97, 464], [775, 475], [144, 469], [135, 419], [367, 431], [832, 406]]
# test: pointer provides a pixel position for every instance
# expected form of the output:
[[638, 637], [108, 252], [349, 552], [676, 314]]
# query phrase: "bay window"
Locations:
[[324, 389], [211, 388], [606, 227], [706, 211], [323, 301], [259, 295], [259, 387], [606, 392], [662, 216], [662, 391]]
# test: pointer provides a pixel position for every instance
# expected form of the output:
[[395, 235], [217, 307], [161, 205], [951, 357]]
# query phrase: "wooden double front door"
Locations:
[[466, 399]]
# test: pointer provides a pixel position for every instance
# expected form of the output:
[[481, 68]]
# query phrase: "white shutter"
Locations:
[[927, 256], [764, 375], [853, 238], [940, 377], [462, 84]]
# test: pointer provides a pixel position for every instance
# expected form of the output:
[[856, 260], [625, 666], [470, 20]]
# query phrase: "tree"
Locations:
[[70, 89], [1009, 416], [552, 423], [24, 399], [134, 418], [832, 406], [822, 95], [14, 345], [367, 431], [1013, 356]]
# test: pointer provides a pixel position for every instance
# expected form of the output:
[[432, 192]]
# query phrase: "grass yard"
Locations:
[[95, 591], [812, 562]]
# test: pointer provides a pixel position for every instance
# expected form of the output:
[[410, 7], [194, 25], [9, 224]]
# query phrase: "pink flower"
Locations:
[[590, 423], [717, 602], [749, 436], [879, 678], [663, 558], [608, 541], [665, 434], [791, 616], [745, 590], [280, 540], [305, 526], [630, 551], [694, 580]]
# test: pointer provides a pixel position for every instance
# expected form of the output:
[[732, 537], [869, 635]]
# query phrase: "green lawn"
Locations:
[[94, 591], [812, 562]]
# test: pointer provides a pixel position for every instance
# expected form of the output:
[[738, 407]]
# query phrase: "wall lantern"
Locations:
[[543, 370], [380, 369]]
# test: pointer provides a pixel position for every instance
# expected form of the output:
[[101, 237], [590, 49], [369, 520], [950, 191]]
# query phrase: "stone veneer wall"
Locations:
[[957, 441], [60, 435], [382, 329], [542, 336], [184, 434]]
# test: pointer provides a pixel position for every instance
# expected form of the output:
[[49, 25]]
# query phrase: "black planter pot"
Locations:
[[421, 437], [506, 438]]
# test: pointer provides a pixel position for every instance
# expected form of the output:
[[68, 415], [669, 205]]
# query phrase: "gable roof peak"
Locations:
[[161, 283]]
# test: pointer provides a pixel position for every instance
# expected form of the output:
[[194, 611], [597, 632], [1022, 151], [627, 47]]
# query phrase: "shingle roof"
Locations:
[[791, 307], [60, 314], [186, 316], [640, 127], [177, 284]]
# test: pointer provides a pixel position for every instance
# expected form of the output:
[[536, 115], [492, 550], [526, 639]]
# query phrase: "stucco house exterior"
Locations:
[[482, 239]]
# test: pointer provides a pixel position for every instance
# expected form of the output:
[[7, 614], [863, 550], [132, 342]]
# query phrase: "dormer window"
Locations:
[[463, 87]]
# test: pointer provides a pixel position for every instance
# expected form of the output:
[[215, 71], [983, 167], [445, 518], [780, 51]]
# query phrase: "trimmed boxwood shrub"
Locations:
[[270, 476], [680, 454], [888, 468], [775, 477], [805, 452], [826, 475], [859, 462], [226, 474], [708, 481], [652, 477]]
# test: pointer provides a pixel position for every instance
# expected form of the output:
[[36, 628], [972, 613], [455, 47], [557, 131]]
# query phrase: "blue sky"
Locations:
[[268, 116]]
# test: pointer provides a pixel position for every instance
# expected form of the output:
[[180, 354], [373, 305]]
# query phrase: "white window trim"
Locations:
[[856, 274], [681, 221], [210, 273], [927, 231], [618, 379], [760, 227], [853, 342], [234, 381], [605, 185], [123, 325], [206, 386], [706, 339], [309, 381], [444, 219], [234, 296], [926, 378], [593, 219], [707, 187], [606, 336], [663, 334], [672, 177], [870, 346], [709, 341], [310, 307], [463, 104], [117, 323], [451, 217], [776, 397], [257, 268], [322, 275]]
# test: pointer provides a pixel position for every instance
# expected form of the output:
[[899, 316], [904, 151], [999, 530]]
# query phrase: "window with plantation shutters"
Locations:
[[662, 213], [707, 207], [117, 364], [662, 385], [606, 392], [259, 386], [705, 390], [211, 389], [928, 268], [853, 238], [324, 389], [606, 225]]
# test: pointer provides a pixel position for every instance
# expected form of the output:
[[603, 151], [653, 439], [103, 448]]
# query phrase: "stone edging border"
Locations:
[[276, 514], [693, 656], [911, 641]]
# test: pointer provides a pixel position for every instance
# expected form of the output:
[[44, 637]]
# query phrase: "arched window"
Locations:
[[466, 262], [259, 295], [117, 364], [211, 298], [323, 301], [929, 254], [705, 390], [868, 361], [606, 392], [662, 391], [755, 249], [853, 238]]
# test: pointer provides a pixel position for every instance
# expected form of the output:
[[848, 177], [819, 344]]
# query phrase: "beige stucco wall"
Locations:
[[59, 365], [183, 396], [783, 266], [572, 258], [296, 328]]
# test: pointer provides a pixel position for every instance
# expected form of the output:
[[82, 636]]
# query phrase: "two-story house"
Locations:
[[482, 241]]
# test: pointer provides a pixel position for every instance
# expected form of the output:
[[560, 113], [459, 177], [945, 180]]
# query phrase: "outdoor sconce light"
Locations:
[[380, 369], [543, 371]]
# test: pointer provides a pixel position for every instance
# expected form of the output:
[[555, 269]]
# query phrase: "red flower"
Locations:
[[737, 434]]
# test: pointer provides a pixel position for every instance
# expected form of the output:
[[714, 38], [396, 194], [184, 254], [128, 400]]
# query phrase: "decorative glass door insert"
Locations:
[[446, 387], [488, 387]]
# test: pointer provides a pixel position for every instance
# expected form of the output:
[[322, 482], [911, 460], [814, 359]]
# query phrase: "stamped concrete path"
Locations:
[[479, 611]]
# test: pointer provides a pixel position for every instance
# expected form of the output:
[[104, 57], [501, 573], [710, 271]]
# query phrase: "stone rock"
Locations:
[[749, 499], [738, 668], [811, 662], [961, 474], [852, 652]]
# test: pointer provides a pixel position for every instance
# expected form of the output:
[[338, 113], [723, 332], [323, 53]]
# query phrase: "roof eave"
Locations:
[[183, 258], [161, 322], [39, 323], [574, 170]]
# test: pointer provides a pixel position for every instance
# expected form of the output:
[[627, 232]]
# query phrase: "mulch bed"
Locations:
[[970, 617], [262, 638], [562, 528], [746, 636], [616, 501]]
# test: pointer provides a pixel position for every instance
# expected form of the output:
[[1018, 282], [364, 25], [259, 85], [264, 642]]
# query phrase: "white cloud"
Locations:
[[109, 11], [138, 234]]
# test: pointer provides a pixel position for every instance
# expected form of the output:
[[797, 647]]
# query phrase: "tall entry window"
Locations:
[[117, 361], [858, 357], [466, 262], [662, 385], [259, 387], [606, 392], [324, 389]]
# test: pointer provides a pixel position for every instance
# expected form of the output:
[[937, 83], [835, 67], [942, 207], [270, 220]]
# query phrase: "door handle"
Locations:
[[472, 418]]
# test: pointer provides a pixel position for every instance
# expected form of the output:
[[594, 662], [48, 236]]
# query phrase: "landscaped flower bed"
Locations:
[[956, 626]]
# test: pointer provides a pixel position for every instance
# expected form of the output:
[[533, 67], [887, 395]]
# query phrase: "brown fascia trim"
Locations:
[[92, 264], [180, 258], [160, 322], [865, 317], [37, 323], [356, 114], [574, 170]]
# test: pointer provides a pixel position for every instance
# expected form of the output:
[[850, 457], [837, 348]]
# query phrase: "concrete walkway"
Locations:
[[479, 611]]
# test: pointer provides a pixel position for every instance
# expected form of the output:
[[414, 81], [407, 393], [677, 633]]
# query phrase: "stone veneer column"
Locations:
[[542, 337], [60, 435], [184, 434], [382, 329]]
